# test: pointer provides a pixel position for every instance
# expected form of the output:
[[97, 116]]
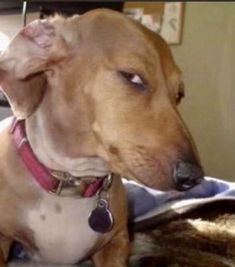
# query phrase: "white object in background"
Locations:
[[152, 22], [171, 23], [134, 13], [4, 41]]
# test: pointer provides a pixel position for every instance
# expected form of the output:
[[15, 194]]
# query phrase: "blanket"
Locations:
[[195, 228]]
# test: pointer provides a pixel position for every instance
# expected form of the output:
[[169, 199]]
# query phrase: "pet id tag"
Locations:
[[101, 219]]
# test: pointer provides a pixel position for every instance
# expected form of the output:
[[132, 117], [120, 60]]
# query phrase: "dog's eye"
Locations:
[[134, 79], [180, 94]]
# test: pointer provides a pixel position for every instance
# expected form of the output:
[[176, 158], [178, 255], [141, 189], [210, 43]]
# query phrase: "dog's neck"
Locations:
[[42, 143]]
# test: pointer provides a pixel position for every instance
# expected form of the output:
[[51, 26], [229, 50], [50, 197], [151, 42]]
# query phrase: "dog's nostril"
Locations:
[[187, 175]]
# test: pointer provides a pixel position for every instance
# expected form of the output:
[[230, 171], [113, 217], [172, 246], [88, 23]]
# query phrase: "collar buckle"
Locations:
[[58, 189], [64, 178]]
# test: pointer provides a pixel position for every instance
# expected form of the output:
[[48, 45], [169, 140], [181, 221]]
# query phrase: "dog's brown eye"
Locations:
[[180, 94], [134, 79]]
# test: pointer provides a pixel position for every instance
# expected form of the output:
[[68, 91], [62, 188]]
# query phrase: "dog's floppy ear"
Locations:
[[33, 50], [171, 71], [22, 65], [24, 95]]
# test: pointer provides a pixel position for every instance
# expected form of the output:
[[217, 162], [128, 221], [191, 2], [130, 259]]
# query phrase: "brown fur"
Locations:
[[195, 241], [73, 82]]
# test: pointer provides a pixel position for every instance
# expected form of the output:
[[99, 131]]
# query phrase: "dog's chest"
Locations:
[[60, 229]]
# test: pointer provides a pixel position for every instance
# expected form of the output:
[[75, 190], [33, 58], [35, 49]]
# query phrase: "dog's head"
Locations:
[[110, 88]]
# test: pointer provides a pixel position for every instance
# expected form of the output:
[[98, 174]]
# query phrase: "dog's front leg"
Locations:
[[115, 253]]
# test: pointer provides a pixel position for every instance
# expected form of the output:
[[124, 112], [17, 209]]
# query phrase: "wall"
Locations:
[[207, 58]]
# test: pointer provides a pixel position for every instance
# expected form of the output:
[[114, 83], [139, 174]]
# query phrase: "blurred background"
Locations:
[[202, 39]]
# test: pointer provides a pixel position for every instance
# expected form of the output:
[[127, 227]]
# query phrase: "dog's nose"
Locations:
[[187, 175]]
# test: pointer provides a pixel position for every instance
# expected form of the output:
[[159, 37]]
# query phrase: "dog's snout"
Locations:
[[187, 175]]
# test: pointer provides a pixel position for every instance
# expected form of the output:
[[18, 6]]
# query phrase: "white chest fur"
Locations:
[[61, 231]]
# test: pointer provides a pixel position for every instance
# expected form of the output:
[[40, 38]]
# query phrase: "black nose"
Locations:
[[187, 175]]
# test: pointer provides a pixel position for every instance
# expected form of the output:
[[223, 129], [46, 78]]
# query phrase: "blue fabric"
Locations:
[[142, 199]]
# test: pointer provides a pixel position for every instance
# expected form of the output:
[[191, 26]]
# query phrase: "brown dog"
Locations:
[[98, 94]]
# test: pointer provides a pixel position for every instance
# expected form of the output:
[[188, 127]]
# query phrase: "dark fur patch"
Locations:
[[58, 208]]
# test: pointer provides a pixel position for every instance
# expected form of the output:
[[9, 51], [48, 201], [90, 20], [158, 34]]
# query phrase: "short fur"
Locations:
[[64, 77]]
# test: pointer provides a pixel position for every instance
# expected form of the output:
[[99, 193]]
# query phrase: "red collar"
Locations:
[[39, 172]]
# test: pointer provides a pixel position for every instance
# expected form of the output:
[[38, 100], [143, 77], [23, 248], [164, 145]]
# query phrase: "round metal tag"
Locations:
[[100, 219]]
